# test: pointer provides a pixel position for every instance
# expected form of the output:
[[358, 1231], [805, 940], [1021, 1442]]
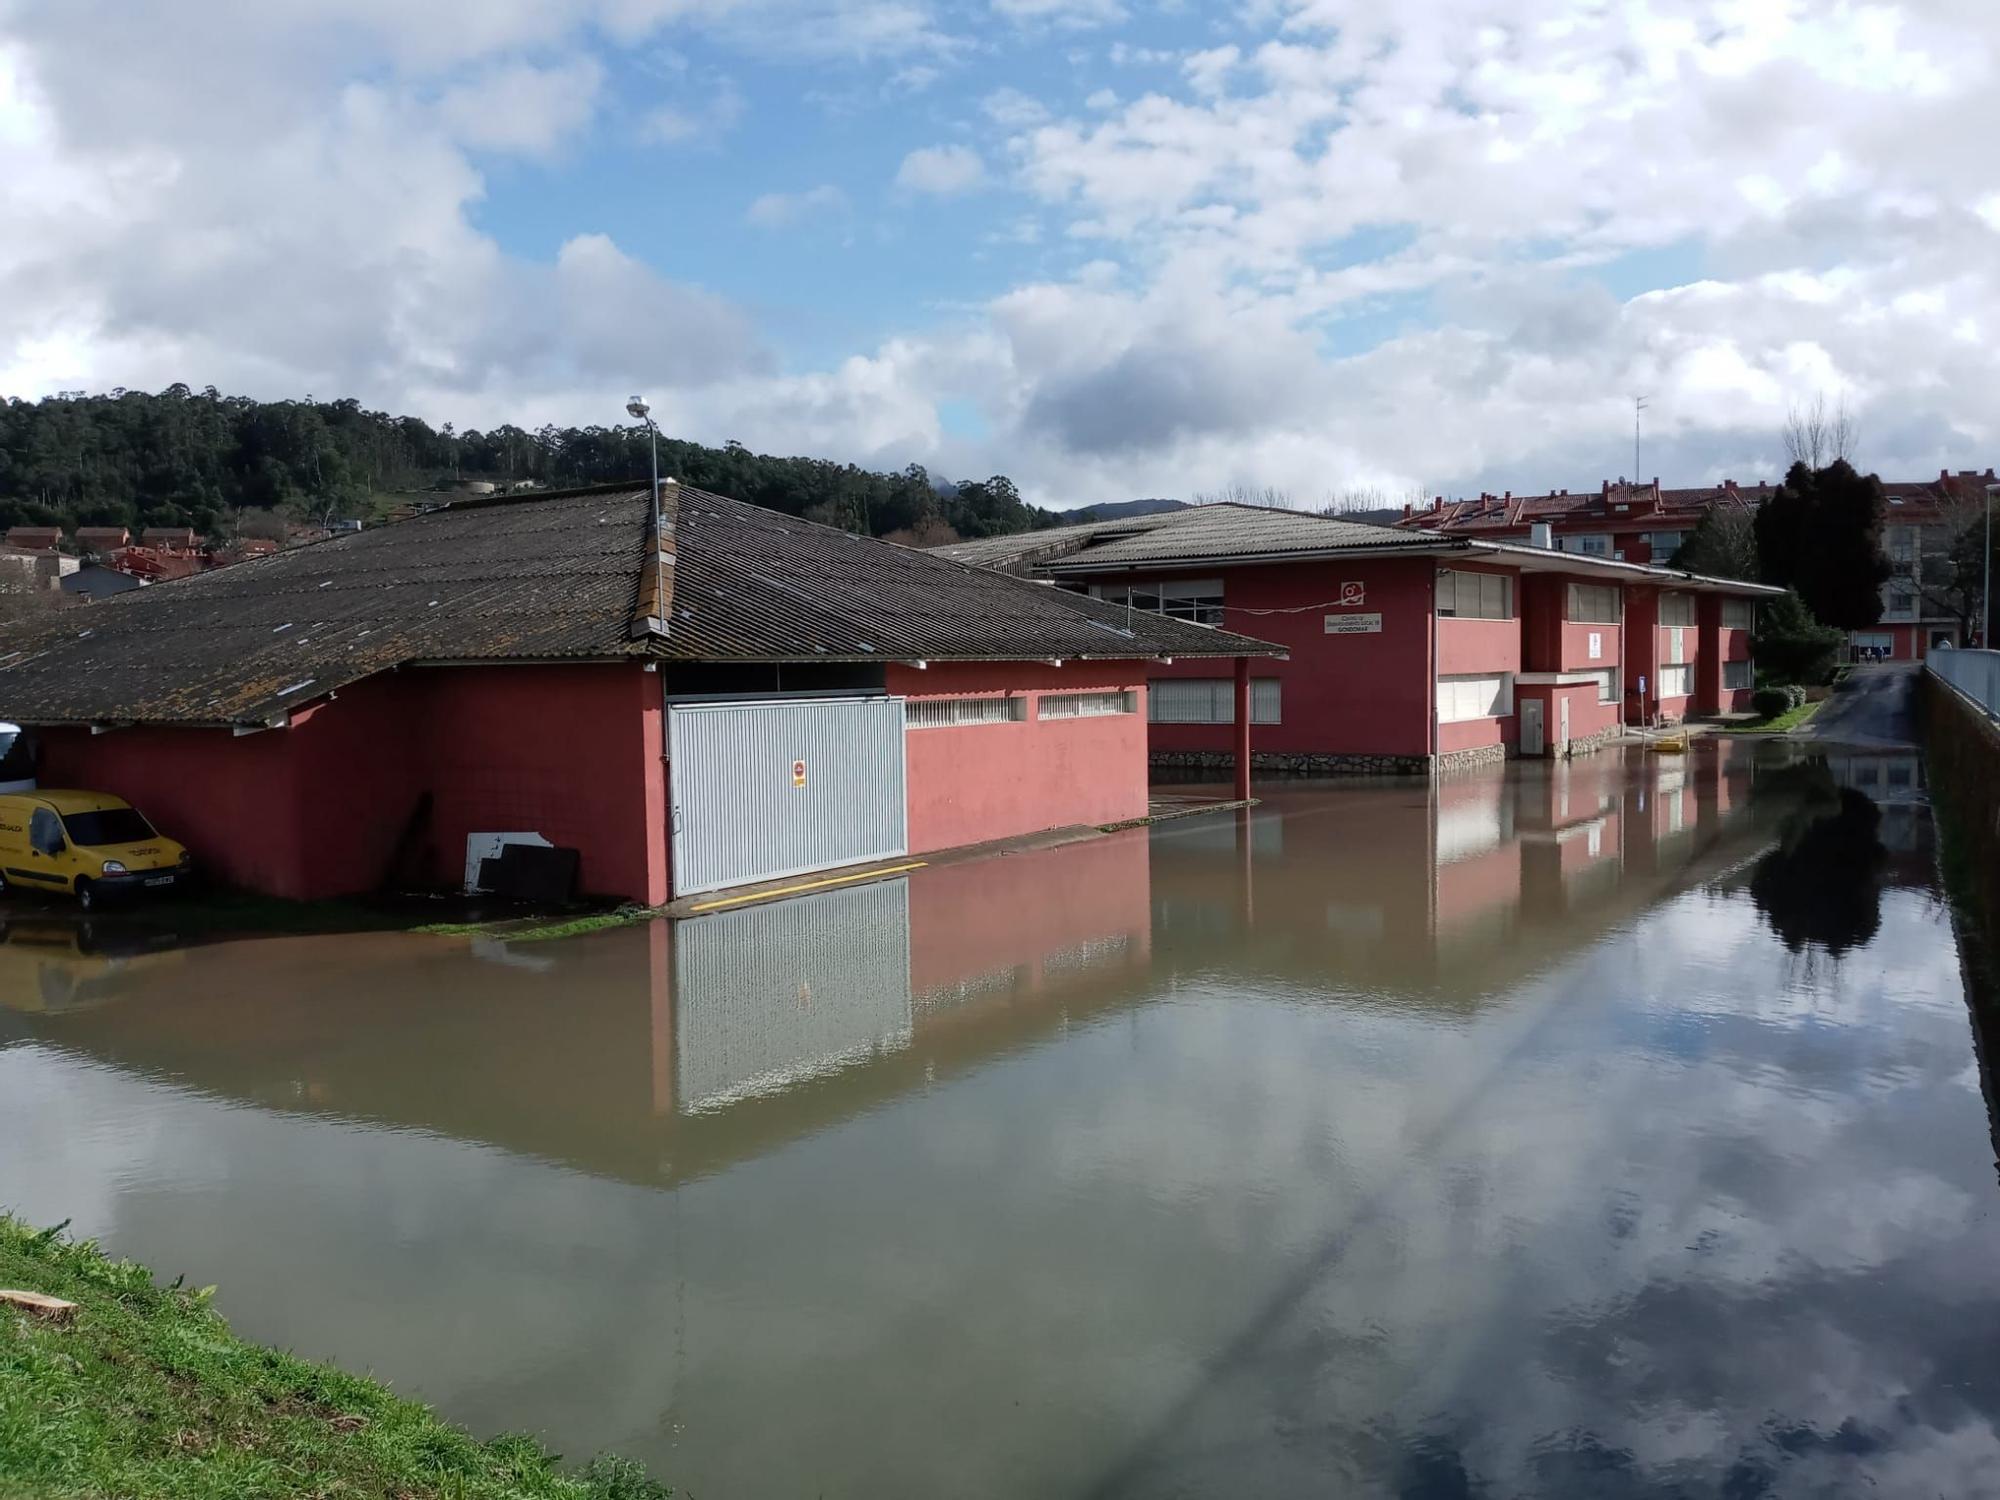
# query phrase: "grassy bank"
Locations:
[[1782, 723], [145, 1391]]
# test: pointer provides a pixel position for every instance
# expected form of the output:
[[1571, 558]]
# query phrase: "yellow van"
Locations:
[[86, 843]]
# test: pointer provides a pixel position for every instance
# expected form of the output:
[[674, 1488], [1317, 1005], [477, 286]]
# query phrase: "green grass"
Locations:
[[1790, 719], [148, 1393]]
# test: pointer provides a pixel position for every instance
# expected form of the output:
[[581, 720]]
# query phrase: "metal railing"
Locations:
[[1974, 673]]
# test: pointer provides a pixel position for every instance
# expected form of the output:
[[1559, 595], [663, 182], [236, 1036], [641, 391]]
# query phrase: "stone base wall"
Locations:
[[1219, 765], [1962, 767], [1453, 761], [1590, 744], [1201, 765]]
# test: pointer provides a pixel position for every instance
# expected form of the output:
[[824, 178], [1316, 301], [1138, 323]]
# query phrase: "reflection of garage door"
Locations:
[[768, 789], [1875, 640], [770, 995]]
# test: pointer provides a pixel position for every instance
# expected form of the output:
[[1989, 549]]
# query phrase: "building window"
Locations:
[[1901, 543], [1607, 684], [1587, 546], [1087, 705], [952, 713], [1475, 697], [1211, 700], [1476, 596], [1902, 604], [1677, 680], [1737, 675], [1596, 603], [1197, 599], [1677, 609], [1665, 543], [1738, 614]]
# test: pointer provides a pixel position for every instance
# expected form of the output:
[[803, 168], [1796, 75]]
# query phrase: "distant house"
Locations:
[[174, 538], [102, 540], [1643, 523], [95, 581], [32, 568], [34, 538], [242, 551]]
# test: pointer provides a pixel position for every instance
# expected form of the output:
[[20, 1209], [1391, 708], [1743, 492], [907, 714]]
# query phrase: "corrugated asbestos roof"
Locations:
[[549, 577], [754, 585], [1201, 533]]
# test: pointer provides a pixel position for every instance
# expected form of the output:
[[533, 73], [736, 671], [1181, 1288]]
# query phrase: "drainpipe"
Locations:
[[1242, 729]]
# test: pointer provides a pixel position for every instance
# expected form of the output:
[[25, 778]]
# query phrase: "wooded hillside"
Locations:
[[197, 458]]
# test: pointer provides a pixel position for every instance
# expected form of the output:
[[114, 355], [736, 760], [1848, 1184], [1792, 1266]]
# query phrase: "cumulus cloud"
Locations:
[[943, 170], [1442, 242], [783, 210]]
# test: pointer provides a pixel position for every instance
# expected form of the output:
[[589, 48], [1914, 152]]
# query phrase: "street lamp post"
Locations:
[[640, 411]]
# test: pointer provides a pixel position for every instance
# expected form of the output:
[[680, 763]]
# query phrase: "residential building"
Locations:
[[1922, 606], [1407, 650], [102, 540], [1619, 520], [690, 692], [1921, 609]]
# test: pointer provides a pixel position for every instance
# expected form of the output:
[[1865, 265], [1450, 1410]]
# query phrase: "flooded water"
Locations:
[[1611, 1129]]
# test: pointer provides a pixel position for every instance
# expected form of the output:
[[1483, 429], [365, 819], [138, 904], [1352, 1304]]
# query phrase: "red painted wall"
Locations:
[[1342, 694], [317, 810], [980, 782], [1468, 647]]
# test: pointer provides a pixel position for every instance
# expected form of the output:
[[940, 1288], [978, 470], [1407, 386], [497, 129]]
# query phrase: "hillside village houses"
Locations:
[[1643, 523]]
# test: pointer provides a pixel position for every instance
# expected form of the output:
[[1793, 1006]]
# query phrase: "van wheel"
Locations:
[[86, 895]]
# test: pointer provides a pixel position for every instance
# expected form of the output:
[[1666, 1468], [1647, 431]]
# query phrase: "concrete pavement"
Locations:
[[1875, 706]]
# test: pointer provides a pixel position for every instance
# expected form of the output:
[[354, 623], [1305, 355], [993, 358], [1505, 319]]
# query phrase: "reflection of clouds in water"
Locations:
[[1788, 1178]]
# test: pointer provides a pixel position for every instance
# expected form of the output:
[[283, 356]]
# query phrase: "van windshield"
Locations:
[[114, 825]]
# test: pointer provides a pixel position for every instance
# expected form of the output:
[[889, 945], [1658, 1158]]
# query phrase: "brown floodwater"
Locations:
[[1618, 1128]]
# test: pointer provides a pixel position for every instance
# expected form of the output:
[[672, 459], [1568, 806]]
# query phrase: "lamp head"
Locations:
[[638, 408]]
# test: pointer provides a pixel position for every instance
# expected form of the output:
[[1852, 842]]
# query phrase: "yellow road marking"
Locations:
[[810, 885]]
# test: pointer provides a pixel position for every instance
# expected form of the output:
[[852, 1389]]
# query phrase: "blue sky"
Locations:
[[1340, 248]]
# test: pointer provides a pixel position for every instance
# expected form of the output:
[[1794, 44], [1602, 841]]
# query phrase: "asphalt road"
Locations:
[[1875, 706]]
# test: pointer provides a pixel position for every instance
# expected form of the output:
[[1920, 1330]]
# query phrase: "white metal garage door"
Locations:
[[769, 789]]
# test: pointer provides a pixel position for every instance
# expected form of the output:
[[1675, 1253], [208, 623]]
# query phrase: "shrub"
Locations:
[[1769, 702], [1792, 645]]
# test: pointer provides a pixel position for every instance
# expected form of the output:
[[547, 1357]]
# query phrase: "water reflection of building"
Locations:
[[653, 1052], [1460, 887]]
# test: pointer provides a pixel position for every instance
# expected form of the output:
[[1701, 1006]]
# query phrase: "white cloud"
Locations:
[[704, 113], [1441, 241], [943, 170], [783, 210], [1066, 14], [1013, 109], [521, 108]]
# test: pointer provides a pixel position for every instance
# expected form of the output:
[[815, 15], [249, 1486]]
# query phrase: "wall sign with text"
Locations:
[[1369, 624]]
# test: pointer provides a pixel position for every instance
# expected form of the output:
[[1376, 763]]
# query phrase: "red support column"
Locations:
[[1242, 729]]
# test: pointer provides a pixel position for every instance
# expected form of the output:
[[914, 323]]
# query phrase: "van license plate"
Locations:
[[161, 880]]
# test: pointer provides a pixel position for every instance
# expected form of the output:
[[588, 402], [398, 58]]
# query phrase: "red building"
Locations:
[[1921, 607], [1619, 520], [1406, 650], [588, 671]]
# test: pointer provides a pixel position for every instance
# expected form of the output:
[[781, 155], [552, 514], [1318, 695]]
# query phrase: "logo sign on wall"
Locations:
[[798, 773], [1596, 645], [1353, 595]]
